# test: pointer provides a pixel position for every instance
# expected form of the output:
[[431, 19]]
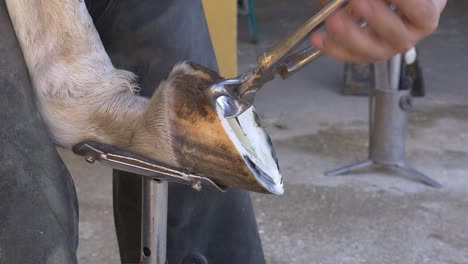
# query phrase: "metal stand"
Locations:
[[156, 176], [154, 222], [388, 119]]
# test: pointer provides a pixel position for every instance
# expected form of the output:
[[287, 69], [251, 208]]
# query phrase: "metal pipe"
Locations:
[[154, 221], [381, 76], [395, 72], [389, 128]]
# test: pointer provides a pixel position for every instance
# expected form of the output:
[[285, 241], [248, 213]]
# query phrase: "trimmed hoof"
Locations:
[[235, 152]]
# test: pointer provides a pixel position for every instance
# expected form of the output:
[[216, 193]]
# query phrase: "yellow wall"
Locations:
[[221, 16]]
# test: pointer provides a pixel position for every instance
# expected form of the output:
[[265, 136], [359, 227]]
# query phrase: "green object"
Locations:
[[247, 7], [252, 22]]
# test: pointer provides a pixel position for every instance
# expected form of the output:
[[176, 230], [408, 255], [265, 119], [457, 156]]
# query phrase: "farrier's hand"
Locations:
[[387, 33]]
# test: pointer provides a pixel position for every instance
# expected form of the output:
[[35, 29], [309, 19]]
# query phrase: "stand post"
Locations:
[[154, 221], [388, 120]]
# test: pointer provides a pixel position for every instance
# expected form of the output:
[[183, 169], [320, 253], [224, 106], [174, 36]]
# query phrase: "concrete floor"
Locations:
[[368, 217]]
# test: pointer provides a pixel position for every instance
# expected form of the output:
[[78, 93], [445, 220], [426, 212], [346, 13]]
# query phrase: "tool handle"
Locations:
[[278, 51], [297, 60]]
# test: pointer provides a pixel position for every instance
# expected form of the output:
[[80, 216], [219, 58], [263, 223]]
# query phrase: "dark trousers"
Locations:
[[38, 209]]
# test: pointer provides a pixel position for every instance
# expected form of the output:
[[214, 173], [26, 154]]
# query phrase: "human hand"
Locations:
[[387, 33]]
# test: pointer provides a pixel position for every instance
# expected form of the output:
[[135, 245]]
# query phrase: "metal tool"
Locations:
[[154, 192], [236, 95], [124, 160]]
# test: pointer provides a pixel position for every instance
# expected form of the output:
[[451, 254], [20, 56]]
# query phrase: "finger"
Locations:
[[440, 4], [324, 42], [422, 14], [386, 23], [356, 40], [317, 39]]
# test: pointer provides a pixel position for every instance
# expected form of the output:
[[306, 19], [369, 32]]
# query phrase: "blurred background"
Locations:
[[369, 216]]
